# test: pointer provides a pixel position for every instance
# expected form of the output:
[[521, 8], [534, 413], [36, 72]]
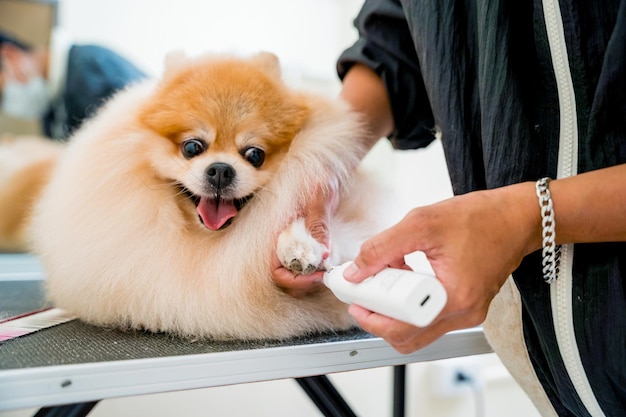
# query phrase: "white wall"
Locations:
[[307, 35]]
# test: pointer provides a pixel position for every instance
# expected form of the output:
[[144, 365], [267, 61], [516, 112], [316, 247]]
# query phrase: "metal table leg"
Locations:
[[399, 390], [68, 410], [327, 399]]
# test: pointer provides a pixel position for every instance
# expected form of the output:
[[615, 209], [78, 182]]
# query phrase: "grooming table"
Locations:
[[66, 369]]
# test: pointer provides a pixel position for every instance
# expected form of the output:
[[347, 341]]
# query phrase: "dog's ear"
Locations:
[[174, 61], [268, 62]]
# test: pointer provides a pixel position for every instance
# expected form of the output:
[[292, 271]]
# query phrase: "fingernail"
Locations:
[[351, 271]]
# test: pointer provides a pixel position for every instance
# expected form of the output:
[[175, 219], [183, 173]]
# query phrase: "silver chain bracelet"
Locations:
[[551, 252]]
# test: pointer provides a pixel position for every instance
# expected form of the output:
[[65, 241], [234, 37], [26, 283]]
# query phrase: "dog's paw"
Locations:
[[298, 251]]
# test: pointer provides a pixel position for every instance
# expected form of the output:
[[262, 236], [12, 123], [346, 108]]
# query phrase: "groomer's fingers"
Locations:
[[460, 312], [387, 249], [295, 285], [318, 226], [403, 337], [317, 214]]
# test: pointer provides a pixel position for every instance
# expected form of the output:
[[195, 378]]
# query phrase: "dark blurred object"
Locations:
[[58, 84]]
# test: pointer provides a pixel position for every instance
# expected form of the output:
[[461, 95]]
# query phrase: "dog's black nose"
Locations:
[[220, 175]]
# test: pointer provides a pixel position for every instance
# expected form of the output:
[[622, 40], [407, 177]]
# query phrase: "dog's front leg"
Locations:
[[299, 251]]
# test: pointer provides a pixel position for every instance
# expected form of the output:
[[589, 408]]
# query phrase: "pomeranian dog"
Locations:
[[164, 211]]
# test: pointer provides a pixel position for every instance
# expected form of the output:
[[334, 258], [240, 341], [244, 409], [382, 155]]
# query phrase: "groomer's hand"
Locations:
[[317, 217], [473, 242]]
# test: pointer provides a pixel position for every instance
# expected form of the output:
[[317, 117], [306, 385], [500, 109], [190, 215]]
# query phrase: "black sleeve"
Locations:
[[385, 46]]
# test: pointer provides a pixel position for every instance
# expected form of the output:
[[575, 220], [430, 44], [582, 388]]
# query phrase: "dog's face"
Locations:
[[227, 124]]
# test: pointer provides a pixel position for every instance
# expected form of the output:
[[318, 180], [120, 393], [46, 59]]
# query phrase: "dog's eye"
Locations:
[[255, 156], [192, 147]]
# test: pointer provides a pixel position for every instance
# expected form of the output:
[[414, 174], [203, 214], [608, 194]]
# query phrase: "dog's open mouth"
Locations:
[[216, 212]]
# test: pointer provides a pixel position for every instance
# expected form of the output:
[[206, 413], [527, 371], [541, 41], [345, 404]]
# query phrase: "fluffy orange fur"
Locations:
[[120, 237]]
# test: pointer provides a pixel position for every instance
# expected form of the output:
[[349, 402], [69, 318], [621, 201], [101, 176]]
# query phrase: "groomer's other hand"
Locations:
[[317, 217], [365, 92], [473, 242]]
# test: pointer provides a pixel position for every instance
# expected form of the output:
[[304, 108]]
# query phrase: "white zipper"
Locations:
[[561, 289]]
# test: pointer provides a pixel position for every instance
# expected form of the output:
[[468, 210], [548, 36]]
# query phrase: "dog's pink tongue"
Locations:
[[215, 212]]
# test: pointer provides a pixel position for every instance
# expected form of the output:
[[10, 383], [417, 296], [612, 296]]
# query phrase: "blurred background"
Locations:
[[307, 36]]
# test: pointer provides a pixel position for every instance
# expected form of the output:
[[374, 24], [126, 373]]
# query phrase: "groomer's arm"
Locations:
[[365, 92], [473, 245]]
